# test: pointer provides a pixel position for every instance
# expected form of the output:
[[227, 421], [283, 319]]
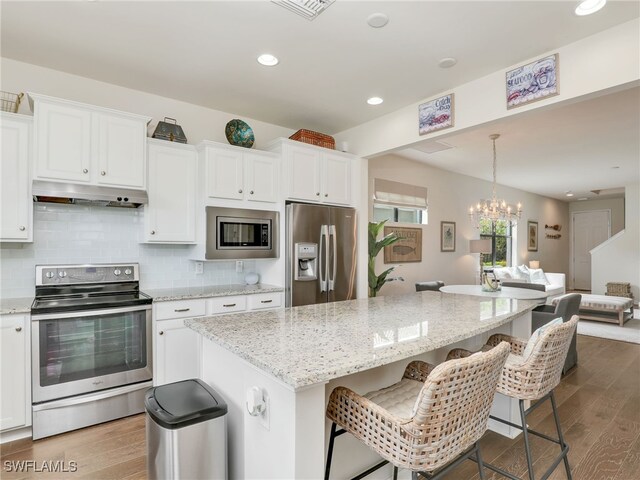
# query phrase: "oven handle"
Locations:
[[92, 397], [88, 313]]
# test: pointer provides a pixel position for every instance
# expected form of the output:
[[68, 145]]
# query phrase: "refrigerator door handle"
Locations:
[[323, 257], [334, 244]]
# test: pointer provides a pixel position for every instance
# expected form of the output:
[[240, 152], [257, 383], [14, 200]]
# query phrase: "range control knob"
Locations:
[[49, 274], [62, 274], [117, 272], [127, 271]]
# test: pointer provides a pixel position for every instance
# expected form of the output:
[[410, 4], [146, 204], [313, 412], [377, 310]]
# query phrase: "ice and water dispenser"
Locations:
[[306, 261]]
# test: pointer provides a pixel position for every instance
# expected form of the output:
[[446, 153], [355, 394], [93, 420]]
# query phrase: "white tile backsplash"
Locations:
[[87, 234]]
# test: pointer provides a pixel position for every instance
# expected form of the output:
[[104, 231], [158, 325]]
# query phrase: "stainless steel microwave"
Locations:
[[234, 233]]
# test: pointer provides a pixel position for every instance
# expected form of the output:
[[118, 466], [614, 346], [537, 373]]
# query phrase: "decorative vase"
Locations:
[[490, 283]]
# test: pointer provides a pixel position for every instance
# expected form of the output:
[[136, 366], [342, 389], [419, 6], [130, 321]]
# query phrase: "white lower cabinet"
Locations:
[[176, 347], [15, 372]]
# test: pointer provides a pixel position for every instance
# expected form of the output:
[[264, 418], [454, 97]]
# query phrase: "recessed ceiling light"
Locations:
[[569, 193], [447, 62], [587, 7], [375, 101], [377, 20], [268, 60]]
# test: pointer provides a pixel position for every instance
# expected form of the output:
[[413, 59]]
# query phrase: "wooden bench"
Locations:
[[604, 308]]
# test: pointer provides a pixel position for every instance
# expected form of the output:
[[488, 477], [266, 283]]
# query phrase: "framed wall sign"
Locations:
[[533, 81], [532, 236], [407, 249], [447, 236], [436, 114]]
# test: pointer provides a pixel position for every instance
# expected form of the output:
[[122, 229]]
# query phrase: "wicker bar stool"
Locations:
[[533, 377], [429, 422]]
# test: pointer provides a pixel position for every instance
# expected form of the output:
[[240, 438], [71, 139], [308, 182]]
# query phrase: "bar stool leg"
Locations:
[[395, 473], [525, 436], [480, 464], [560, 436], [330, 452]]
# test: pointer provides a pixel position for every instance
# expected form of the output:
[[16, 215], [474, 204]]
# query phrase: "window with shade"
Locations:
[[499, 233], [399, 202]]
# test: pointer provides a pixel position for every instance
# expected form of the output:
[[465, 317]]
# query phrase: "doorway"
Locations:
[[589, 229]]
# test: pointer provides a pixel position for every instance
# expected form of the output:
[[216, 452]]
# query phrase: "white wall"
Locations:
[[618, 259], [72, 234], [593, 64], [199, 123], [615, 205], [450, 195]]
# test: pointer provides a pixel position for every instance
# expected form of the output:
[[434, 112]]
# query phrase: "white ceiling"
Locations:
[[205, 53]]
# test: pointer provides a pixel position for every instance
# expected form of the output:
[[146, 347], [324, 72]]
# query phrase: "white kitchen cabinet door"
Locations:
[[63, 142], [120, 150], [261, 177], [170, 216], [304, 173], [177, 352], [225, 174], [336, 179], [15, 377], [16, 205]]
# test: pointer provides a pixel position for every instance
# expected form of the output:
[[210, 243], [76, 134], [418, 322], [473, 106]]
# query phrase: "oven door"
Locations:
[[81, 352]]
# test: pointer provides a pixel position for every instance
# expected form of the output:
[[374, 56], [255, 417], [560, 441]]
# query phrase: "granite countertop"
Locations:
[[307, 345], [15, 305], [186, 293]]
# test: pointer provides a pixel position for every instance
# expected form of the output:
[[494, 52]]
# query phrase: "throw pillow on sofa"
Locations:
[[537, 275]]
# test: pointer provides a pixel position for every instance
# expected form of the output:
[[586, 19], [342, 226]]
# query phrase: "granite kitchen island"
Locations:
[[296, 356]]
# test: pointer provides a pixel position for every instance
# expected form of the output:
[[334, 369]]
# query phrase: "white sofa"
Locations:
[[554, 283]]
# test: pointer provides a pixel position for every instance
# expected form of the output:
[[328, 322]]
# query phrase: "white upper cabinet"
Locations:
[[81, 143], [16, 206], [316, 174], [170, 216], [239, 174]]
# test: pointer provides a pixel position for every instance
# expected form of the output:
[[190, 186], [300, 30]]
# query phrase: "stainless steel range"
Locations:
[[91, 346]]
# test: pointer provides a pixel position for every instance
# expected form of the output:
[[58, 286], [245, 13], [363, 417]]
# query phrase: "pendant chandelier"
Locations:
[[494, 209]]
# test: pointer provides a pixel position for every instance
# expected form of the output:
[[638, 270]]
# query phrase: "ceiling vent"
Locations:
[[431, 146], [308, 9]]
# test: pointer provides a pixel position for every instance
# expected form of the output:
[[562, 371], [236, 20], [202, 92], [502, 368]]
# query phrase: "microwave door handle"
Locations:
[[322, 260], [334, 244]]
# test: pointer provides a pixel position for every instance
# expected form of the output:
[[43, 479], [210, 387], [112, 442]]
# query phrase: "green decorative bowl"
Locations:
[[239, 133]]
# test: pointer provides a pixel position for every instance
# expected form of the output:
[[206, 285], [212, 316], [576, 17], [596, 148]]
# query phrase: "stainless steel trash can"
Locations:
[[186, 431]]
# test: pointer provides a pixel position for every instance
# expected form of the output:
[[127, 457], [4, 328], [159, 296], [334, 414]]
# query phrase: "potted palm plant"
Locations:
[[377, 281]]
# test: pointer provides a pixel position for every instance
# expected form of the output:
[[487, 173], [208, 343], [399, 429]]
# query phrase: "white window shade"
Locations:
[[399, 194]]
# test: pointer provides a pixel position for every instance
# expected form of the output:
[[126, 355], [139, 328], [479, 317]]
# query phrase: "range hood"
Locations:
[[71, 193]]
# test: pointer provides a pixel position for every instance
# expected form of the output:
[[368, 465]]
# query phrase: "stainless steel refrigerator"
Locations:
[[321, 254]]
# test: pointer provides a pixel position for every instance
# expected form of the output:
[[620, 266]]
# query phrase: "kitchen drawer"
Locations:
[[236, 303], [265, 300], [180, 309]]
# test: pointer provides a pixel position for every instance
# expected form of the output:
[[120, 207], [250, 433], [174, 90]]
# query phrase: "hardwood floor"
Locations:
[[598, 402]]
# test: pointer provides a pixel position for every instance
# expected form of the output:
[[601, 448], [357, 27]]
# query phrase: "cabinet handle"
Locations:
[[84, 170], [22, 228], [266, 301], [326, 194], [229, 305], [181, 309], [18, 329], [153, 232], [103, 173], [240, 191], [160, 332], [318, 194], [251, 192]]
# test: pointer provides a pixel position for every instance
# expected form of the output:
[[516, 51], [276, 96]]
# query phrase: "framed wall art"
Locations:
[[435, 114], [447, 236], [533, 81], [407, 249], [532, 236]]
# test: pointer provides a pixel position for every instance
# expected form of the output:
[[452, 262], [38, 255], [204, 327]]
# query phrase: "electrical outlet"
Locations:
[[239, 266], [199, 268]]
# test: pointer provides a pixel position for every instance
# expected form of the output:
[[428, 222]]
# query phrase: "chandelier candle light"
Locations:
[[494, 209]]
